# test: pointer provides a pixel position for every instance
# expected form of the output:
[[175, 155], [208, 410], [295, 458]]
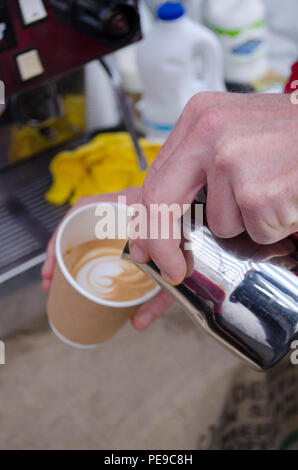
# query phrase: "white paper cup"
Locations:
[[77, 317]]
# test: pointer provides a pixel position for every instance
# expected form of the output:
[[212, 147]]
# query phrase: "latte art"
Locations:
[[98, 268]]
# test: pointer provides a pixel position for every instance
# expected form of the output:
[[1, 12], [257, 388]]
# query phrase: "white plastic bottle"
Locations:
[[241, 27], [168, 64], [127, 57]]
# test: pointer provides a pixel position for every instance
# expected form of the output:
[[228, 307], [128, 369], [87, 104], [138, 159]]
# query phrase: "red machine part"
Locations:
[[60, 47]]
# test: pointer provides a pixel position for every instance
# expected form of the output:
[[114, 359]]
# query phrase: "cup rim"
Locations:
[[74, 283]]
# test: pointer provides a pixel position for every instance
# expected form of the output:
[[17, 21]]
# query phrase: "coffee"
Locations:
[[119, 289], [98, 268]]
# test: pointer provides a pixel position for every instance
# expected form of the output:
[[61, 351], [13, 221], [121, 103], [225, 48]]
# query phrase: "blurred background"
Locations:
[[84, 96]]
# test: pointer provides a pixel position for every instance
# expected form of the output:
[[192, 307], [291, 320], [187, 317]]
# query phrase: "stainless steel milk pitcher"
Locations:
[[243, 294]]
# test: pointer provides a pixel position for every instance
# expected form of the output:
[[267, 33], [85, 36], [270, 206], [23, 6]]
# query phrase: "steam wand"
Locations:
[[125, 106]]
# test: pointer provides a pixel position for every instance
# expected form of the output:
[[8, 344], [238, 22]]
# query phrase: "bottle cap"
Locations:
[[170, 11]]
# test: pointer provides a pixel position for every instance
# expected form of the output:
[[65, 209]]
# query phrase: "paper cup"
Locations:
[[76, 316]]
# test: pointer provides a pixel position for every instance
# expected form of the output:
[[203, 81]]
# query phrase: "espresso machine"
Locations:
[[44, 45]]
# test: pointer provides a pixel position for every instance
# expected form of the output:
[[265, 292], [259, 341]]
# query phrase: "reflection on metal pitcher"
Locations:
[[243, 294]]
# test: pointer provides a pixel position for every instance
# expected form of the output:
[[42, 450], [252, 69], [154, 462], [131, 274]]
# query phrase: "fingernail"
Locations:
[[137, 253], [144, 319], [168, 278]]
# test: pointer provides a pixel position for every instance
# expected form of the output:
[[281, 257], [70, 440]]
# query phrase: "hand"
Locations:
[[149, 311], [244, 147]]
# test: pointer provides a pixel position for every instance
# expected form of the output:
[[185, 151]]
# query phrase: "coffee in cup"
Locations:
[[94, 292], [98, 268]]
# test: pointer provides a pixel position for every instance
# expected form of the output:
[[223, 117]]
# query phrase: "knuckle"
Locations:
[[256, 198], [288, 218], [254, 203], [199, 102], [223, 161], [212, 120], [250, 199], [193, 104], [226, 155]]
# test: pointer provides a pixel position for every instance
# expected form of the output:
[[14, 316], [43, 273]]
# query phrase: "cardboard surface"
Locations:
[[80, 320]]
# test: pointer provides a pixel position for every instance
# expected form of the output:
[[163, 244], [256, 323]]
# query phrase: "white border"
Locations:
[[71, 343]]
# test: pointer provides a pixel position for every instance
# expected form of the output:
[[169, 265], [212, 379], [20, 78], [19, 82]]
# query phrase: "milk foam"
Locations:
[[99, 274], [98, 268]]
